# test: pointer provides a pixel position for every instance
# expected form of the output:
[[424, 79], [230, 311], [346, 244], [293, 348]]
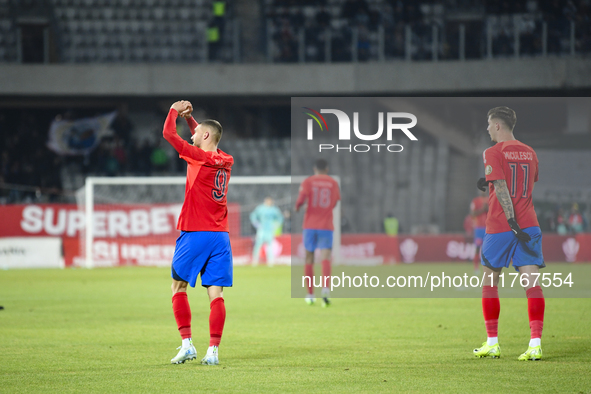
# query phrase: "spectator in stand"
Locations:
[[143, 159], [119, 153], [284, 38], [560, 222], [356, 10], [14, 177], [575, 220], [323, 18], [411, 13], [122, 127], [297, 20], [391, 225], [363, 44], [159, 158], [288, 47]]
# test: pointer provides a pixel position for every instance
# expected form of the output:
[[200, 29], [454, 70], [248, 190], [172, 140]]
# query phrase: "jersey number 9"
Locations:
[[221, 185]]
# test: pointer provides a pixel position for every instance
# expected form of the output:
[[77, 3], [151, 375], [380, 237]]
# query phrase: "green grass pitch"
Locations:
[[112, 331]]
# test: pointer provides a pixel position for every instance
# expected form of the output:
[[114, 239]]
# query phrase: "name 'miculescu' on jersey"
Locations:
[[205, 206], [322, 194], [517, 164]]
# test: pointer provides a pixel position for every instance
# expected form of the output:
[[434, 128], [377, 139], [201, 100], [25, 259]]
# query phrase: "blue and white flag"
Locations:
[[78, 137]]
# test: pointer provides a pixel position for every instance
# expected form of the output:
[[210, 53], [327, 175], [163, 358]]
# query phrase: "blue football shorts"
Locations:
[[479, 235], [317, 239], [498, 250], [203, 252]]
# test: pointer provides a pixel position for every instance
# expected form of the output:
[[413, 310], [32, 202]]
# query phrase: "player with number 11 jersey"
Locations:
[[517, 163], [513, 234]]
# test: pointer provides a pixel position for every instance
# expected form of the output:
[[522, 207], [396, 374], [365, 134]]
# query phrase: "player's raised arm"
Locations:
[[186, 113], [169, 131]]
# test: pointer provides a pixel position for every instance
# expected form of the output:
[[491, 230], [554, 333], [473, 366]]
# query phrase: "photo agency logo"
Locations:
[[392, 120]]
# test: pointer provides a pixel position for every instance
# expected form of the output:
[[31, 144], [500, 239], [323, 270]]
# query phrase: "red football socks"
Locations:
[[182, 313], [535, 309], [491, 308], [217, 318], [325, 273], [309, 272]]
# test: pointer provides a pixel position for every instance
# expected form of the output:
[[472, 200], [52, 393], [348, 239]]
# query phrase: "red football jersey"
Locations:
[[205, 206], [322, 194], [517, 164], [476, 204]]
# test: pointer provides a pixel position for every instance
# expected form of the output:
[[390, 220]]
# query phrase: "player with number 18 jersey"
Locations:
[[321, 193]]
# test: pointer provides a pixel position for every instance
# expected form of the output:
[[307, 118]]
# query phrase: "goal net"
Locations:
[[132, 220]]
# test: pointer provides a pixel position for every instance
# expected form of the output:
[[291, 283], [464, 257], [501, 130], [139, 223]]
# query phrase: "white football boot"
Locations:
[[185, 353], [211, 357]]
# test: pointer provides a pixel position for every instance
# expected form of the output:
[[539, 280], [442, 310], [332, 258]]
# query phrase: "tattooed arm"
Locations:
[[504, 198], [502, 192]]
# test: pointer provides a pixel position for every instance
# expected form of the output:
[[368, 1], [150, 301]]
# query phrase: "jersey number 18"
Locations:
[[320, 197]]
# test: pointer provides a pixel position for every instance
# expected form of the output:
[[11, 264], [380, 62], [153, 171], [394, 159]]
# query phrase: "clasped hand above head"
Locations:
[[183, 107]]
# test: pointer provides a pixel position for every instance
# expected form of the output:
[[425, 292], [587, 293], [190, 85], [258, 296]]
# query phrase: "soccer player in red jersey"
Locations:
[[321, 192], [204, 244], [512, 230], [478, 210]]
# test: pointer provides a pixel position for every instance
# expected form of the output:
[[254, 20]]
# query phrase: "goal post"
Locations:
[[132, 220]]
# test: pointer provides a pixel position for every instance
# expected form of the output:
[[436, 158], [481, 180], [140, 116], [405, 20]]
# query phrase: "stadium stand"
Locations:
[[95, 31], [146, 32], [360, 30]]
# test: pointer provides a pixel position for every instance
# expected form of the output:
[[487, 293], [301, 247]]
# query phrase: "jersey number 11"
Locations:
[[525, 168]]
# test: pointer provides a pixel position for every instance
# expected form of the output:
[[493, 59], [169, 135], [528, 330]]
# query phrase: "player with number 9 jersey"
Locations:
[[204, 212], [205, 206], [203, 247]]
